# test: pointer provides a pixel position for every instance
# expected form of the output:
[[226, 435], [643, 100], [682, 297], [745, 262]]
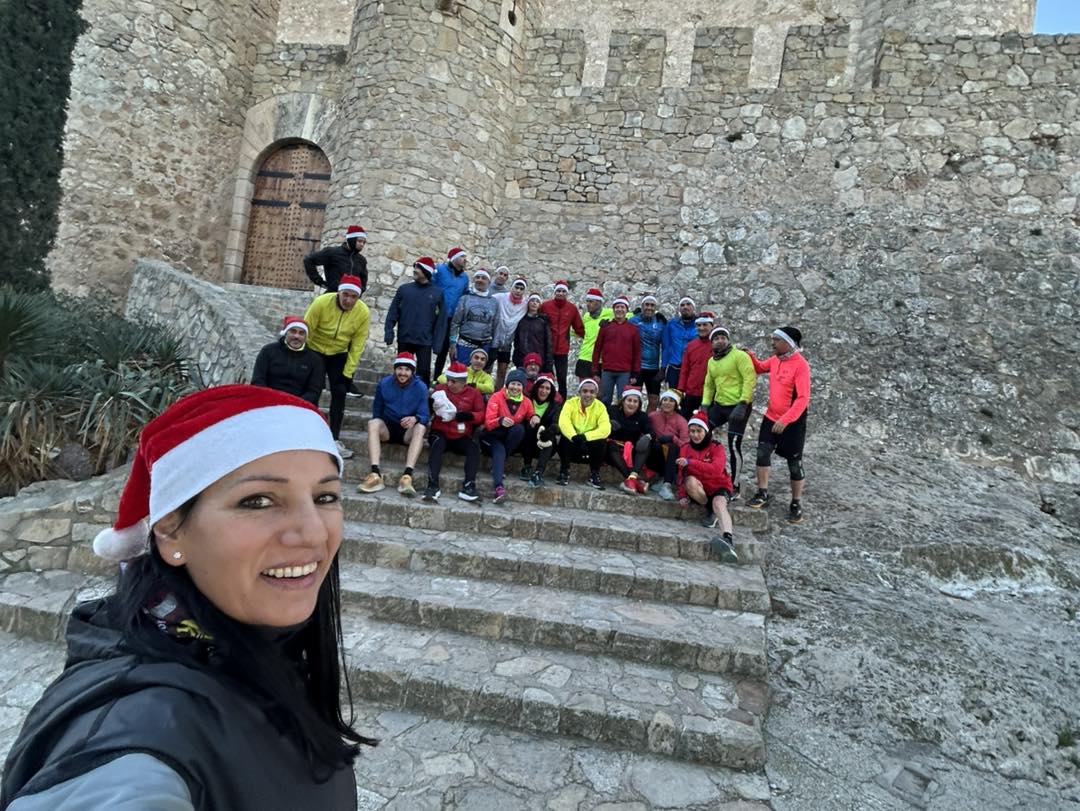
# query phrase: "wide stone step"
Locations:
[[680, 636], [517, 520], [541, 563]]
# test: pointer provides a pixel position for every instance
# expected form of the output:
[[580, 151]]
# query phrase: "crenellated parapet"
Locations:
[[815, 56], [722, 57], [636, 58]]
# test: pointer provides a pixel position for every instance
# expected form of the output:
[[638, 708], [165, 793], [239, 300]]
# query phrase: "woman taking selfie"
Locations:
[[211, 678]]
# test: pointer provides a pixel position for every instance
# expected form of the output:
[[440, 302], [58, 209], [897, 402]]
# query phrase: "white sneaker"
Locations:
[[345, 452]]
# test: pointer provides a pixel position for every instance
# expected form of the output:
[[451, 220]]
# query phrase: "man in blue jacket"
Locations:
[[651, 326], [677, 334], [417, 312], [399, 415], [450, 277]]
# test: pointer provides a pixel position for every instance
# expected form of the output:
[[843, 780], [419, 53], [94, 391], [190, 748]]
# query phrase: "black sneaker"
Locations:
[[468, 492], [564, 478], [722, 548], [536, 479], [594, 481], [350, 390], [759, 501], [432, 493], [526, 473], [708, 520], [794, 513], [736, 493]]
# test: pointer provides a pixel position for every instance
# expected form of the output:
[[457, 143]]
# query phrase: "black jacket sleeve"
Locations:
[[314, 386], [549, 358], [262, 367], [311, 264]]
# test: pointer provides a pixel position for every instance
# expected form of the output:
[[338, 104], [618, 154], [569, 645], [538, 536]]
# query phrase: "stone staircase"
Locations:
[[565, 611]]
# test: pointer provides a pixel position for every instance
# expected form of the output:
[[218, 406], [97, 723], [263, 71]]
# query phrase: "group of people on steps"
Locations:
[[664, 402]]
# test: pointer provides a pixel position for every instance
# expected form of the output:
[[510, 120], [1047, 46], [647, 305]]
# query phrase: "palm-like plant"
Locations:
[[29, 326]]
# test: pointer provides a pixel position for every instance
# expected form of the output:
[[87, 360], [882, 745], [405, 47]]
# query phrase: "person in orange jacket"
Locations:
[[784, 427], [508, 412]]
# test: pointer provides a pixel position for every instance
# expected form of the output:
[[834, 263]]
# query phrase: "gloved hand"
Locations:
[[542, 440], [579, 442], [666, 439], [738, 414]]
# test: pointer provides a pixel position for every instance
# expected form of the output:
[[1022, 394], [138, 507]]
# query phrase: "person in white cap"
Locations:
[[728, 396], [670, 432], [336, 261], [477, 375], [288, 365], [512, 308], [399, 415], [584, 427], [183, 683], [617, 354], [473, 323], [677, 334], [500, 282], [651, 325]]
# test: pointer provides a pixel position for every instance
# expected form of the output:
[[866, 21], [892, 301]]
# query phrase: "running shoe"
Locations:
[[468, 492], [405, 486], [629, 486], [526, 473], [500, 494], [594, 481], [736, 493], [759, 501], [722, 548], [795, 513], [344, 452], [666, 492], [372, 483], [564, 478], [350, 390], [709, 521], [432, 493], [642, 486], [537, 479]]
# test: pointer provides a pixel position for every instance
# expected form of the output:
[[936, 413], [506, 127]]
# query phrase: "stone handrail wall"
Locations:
[[215, 327]]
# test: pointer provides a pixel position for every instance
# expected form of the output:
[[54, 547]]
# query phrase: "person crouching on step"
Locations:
[[704, 479]]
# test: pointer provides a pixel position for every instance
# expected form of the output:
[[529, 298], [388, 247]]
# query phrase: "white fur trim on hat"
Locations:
[[294, 325], [671, 394], [588, 381], [649, 300], [481, 272], [686, 300], [623, 300], [704, 319], [715, 330], [783, 336], [593, 297], [698, 422], [122, 544], [349, 287], [536, 296], [561, 286]]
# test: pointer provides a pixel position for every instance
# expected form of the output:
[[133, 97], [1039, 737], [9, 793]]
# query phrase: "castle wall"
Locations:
[[922, 233], [962, 17], [326, 22], [295, 67], [158, 94]]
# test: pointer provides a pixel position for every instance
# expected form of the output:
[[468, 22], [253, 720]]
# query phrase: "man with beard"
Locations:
[[677, 334], [399, 415], [289, 365], [729, 395], [617, 352], [473, 324], [651, 326], [451, 279], [594, 317], [336, 261], [417, 313]]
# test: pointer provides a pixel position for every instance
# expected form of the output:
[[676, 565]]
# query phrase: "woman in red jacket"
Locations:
[[508, 412], [704, 479]]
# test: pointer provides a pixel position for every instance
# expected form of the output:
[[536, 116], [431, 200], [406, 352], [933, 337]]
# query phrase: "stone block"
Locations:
[[43, 530]]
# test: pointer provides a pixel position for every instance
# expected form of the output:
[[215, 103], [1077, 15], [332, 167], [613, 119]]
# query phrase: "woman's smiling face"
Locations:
[[259, 542]]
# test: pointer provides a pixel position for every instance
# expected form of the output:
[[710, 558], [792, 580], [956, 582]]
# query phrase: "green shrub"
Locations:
[[70, 372]]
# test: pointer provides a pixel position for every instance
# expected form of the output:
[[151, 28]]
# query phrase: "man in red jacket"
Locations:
[[617, 355], [563, 317], [455, 415], [784, 427], [695, 365]]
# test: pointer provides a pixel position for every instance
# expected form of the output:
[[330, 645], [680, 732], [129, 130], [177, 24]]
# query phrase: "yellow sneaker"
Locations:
[[372, 484], [405, 486]]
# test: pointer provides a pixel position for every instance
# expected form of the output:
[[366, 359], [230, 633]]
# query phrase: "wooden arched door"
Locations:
[[287, 212]]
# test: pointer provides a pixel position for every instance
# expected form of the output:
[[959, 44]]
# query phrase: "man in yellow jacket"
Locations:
[[728, 396], [338, 324], [584, 427]]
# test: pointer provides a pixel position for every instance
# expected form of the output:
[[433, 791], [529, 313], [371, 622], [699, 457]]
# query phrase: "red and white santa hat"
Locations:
[[457, 371], [536, 296], [481, 272], [519, 282], [588, 381], [200, 439], [717, 330], [594, 294], [426, 264], [623, 300], [649, 298], [704, 318], [545, 377], [562, 285], [701, 419], [687, 300], [454, 253], [356, 232], [351, 284], [631, 391], [293, 322], [405, 359]]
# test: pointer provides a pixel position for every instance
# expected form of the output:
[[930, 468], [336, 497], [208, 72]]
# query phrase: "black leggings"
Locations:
[[339, 386], [592, 454], [658, 460], [423, 360], [439, 444], [440, 359], [641, 453], [561, 365]]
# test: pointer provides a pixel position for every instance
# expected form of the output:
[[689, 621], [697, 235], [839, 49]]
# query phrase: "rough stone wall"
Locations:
[[158, 94], [964, 17], [923, 236], [215, 326], [722, 57], [814, 57], [269, 305], [298, 68], [326, 22]]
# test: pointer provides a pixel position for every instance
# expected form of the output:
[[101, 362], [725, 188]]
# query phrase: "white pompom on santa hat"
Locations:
[[200, 439]]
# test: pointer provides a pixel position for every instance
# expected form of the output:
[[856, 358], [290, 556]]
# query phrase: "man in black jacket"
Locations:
[[417, 312], [336, 261], [289, 365]]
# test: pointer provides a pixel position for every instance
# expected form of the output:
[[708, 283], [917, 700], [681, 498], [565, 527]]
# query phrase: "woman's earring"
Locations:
[[177, 555]]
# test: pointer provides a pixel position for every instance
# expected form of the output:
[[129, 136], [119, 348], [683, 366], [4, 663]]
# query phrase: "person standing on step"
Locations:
[[533, 335], [337, 330], [512, 308], [584, 427], [670, 433], [728, 396], [458, 410], [616, 356], [336, 261], [695, 363], [784, 427], [629, 441], [501, 280], [594, 317], [703, 479], [473, 323], [417, 312], [508, 413], [677, 334], [542, 432], [563, 318], [651, 326], [399, 416], [451, 278], [289, 365]]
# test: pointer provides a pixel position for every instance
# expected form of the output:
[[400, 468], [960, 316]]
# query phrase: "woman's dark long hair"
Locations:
[[298, 685]]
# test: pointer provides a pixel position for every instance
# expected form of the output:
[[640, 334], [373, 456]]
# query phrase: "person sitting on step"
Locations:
[[508, 412], [630, 426], [458, 411], [584, 427], [704, 479], [670, 433], [542, 431], [399, 415], [289, 364], [531, 366]]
